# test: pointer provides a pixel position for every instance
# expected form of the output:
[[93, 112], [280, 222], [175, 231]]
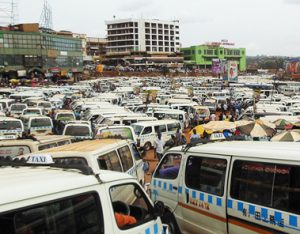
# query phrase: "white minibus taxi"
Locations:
[[102, 154], [15, 148], [37, 125], [10, 128], [230, 187], [146, 132], [80, 130], [60, 198]]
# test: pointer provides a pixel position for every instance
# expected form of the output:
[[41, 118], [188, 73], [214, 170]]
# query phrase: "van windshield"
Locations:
[[17, 107], [65, 117], [77, 131], [41, 123], [137, 129], [10, 125]]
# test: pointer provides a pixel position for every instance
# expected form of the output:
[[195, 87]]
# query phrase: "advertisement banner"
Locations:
[[232, 71], [224, 69], [216, 66], [119, 133]]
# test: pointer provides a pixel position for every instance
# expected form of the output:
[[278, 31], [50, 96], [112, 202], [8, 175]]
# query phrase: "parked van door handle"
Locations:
[[175, 188]]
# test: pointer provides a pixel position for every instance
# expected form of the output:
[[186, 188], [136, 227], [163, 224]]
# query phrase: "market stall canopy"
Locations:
[[291, 135], [257, 128], [219, 126]]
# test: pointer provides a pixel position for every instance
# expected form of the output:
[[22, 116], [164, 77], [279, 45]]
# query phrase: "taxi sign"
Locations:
[[217, 136], [8, 137], [40, 159]]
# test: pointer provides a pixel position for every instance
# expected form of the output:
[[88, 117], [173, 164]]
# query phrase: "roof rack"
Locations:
[[21, 162], [196, 142]]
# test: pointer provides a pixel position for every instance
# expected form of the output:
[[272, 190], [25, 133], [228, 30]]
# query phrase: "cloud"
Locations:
[[134, 6], [295, 2]]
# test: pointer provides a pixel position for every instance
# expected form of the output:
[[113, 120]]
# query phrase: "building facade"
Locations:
[[96, 47], [141, 35], [202, 55], [25, 51]]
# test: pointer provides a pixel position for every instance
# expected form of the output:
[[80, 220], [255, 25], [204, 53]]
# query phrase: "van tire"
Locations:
[[147, 146], [169, 219]]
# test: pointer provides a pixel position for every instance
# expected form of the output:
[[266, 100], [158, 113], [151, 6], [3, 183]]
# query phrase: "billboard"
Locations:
[[232, 71], [224, 69], [293, 67], [216, 66]]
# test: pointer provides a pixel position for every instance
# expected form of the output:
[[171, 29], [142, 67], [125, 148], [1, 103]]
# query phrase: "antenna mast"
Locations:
[[46, 16]]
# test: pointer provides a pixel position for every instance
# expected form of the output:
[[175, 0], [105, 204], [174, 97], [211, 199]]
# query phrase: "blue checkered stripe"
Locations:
[[271, 217], [154, 230], [213, 200], [166, 186]]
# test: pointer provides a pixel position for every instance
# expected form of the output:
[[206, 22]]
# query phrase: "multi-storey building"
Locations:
[[96, 47], [24, 49], [142, 37], [202, 55]]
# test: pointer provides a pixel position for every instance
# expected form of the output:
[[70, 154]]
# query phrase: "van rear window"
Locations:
[[267, 184], [78, 214]]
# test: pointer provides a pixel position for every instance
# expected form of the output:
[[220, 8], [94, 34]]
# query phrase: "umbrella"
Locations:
[[256, 128], [200, 130], [291, 135], [219, 126], [281, 123]]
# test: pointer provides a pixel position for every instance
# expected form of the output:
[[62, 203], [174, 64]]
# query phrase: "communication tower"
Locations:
[[8, 12], [46, 16]]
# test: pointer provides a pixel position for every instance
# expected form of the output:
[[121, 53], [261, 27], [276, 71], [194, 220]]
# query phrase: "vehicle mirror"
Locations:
[[159, 208], [138, 193]]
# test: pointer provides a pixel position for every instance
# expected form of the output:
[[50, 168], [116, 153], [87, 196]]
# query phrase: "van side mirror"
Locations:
[[159, 208]]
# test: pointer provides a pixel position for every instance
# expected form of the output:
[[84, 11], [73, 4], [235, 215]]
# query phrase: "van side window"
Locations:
[[126, 158], [130, 205], [206, 174], [160, 128], [78, 214], [47, 146], [169, 167], [136, 153], [147, 130], [63, 142], [173, 127], [110, 161], [272, 185]]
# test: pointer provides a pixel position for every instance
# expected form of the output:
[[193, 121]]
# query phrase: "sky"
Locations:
[[263, 27]]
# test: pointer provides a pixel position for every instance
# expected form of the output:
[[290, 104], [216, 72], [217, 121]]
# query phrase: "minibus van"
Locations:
[[37, 125], [230, 187], [102, 154], [14, 148], [10, 128], [146, 132]]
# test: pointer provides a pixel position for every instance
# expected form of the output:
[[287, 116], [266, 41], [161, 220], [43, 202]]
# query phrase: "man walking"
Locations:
[[158, 145]]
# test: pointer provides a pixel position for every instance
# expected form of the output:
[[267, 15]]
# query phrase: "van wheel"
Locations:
[[170, 220], [147, 146]]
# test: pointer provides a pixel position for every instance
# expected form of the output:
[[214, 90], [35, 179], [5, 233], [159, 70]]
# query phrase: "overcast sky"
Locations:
[[269, 27]]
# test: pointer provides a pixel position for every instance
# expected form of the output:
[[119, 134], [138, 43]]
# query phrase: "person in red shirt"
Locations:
[[123, 220]]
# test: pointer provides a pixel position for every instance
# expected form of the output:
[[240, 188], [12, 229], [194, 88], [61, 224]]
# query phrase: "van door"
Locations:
[[203, 199], [127, 160], [165, 183], [138, 163], [163, 130]]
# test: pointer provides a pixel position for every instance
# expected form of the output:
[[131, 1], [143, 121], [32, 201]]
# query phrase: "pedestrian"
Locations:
[[158, 145], [182, 140], [177, 137], [194, 137]]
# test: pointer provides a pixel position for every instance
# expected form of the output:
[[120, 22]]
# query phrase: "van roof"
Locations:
[[254, 149], [19, 184], [87, 146], [156, 122]]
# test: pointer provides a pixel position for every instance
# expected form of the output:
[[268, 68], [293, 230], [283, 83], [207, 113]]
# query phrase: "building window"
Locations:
[[199, 51]]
